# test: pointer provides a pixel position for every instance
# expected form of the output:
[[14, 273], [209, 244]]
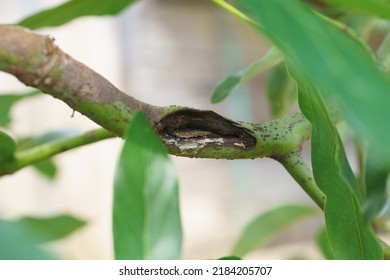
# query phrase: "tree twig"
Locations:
[[296, 166], [44, 151]]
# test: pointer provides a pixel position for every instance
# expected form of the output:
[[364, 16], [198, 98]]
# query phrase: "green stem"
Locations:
[[296, 166], [47, 150]]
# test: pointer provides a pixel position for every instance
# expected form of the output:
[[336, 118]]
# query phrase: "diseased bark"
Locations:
[[36, 61]]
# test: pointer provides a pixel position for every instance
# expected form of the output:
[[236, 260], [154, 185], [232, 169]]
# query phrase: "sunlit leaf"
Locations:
[[15, 245], [230, 83], [7, 146], [349, 236], [146, 220], [331, 59], [40, 230], [6, 103], [323, 243], [73, 9], [266, 226], [281, 90]]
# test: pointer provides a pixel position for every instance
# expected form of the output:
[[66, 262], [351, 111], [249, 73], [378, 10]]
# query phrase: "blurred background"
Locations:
[[162, 52]]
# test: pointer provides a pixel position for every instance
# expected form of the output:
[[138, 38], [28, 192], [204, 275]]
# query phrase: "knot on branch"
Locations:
[[190, 128]]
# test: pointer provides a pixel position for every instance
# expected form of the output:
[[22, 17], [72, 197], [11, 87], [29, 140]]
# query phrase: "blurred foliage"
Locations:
[[74, 9], [16, 246], [7, 147], [281, 91], [267, 225], [47, 229], [7, 100], [229, 84]]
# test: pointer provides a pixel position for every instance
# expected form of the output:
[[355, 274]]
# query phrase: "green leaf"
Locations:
[[377, 7], [6, 103], [323, 243], [268, 225], [74, 9], [14, 245], [7, 147], [349, 236], [47, 168], [230, 83], [40, 230], [376, 188], [226, 87], [281, 90], [146, 218], [331, 59]]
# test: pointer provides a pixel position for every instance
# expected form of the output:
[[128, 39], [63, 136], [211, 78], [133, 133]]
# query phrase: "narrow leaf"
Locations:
[[281, 90], [226, 87], [268, 225], [40, 230], [331, 59], [14, 245], [323, 243], [349, 236], [6, 103], [146, 219], [7, 147], [230, 83], [74, 9]]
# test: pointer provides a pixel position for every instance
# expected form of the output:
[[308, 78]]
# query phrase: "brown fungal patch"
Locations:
[[190, 124]]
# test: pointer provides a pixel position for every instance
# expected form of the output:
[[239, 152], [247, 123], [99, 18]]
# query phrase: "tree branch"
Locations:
[[37, 62]]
